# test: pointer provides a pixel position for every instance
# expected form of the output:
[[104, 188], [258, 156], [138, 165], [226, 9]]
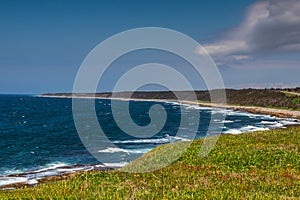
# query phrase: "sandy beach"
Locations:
[[254, 109]]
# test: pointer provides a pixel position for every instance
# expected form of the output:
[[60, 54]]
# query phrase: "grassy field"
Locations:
[[258, 165]]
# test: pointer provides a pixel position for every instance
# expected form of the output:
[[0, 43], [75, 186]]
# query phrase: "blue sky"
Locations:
[[43, 43]]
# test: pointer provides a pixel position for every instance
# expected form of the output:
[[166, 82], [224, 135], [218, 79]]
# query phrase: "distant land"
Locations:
[[288, 98], [277, 102]]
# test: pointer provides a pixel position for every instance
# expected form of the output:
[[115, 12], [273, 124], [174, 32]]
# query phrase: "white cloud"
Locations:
[[269, 26], [226, 47]]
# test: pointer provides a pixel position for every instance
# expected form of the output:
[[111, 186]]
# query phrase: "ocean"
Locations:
[[38, 137]]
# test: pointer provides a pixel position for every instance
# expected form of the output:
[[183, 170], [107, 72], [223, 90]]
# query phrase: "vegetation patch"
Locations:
[[296, 100]]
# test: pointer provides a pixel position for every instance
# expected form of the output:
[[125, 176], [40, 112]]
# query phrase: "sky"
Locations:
[[43, 43]]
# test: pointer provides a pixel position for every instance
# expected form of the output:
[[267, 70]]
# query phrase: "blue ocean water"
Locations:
[[38, 134]]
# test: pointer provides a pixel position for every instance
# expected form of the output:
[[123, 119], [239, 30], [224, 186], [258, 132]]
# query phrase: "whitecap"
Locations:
[[116, 165], [192, 107], [250, 128], [225, 121], [277, 125], [32, 182], [268, 122], [52, 166], [115, 150], [12, 171], [290, 122], [11, 180], [233, 131], [219, 111], [112, 150], [163, 140], [238, 113]]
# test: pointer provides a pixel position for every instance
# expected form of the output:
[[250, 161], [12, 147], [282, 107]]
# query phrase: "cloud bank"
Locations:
[[270, 26]]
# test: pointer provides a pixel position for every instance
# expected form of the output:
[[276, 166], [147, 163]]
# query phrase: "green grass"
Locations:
[[296, 100], [259, 165]]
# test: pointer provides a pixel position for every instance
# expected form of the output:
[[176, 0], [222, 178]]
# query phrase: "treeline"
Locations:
[[263, 97]]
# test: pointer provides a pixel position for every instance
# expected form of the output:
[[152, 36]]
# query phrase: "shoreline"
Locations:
[[281, 113], [235, 176], [67, 171], [63, 176]]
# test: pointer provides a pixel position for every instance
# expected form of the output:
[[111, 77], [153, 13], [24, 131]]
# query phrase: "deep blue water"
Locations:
[[39, 133]]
